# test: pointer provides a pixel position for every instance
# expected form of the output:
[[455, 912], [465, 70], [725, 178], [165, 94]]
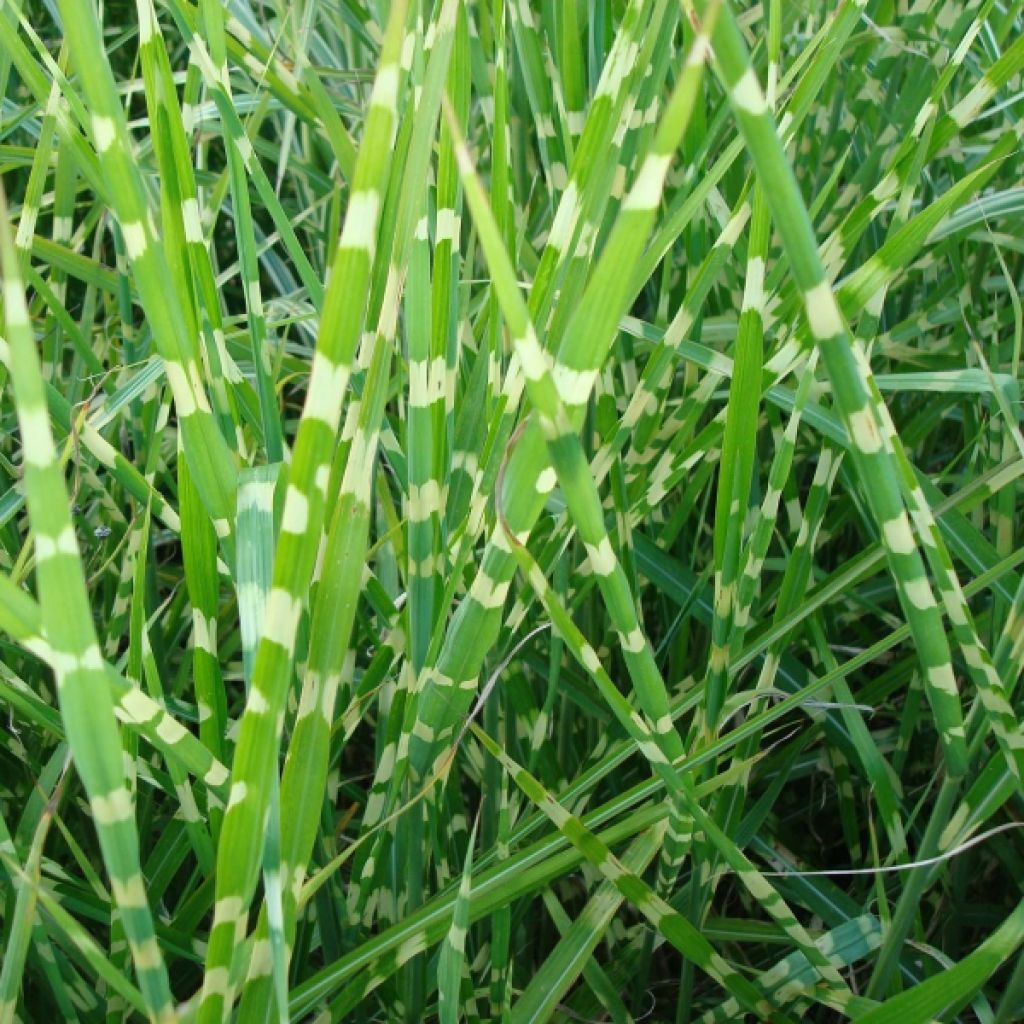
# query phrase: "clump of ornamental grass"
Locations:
[[511, 511]]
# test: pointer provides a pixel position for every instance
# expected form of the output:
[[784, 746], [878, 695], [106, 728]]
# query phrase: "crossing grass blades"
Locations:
[[511, 511]]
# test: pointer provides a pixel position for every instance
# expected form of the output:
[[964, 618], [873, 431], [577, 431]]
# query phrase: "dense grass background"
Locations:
[[511, 511]]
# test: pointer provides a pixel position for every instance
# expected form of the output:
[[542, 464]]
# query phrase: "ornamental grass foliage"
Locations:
[[511, 510]]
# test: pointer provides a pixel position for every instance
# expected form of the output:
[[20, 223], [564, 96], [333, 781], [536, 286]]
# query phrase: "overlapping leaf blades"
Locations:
[[568, 356]]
